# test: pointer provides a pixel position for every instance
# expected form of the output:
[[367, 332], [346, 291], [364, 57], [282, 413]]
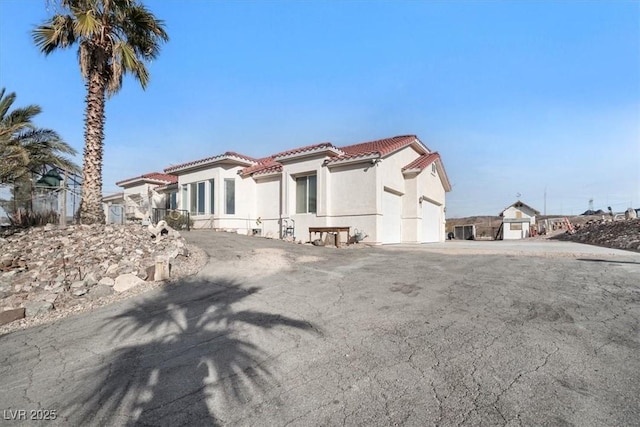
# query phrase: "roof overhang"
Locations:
[[372, 158], [113, 197], [167, 188], [140, 180], [268, 174], [204, 163], [328, 150]]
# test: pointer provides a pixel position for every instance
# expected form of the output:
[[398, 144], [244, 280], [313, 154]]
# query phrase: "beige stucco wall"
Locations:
[[353, 201], [267, 200], [243, 220], [430, 186], [290, 171], [140, 199]]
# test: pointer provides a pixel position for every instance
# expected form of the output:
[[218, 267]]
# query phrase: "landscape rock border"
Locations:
[[52, 272]]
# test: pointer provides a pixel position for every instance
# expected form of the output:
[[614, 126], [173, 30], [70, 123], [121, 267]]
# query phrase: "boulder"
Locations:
[[91, 278], [100, 291], [124, 282], [107, 281], [9, 316], [79, 292], [36, 308]]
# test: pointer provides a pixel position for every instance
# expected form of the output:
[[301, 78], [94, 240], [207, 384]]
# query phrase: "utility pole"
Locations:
[[63, 203]]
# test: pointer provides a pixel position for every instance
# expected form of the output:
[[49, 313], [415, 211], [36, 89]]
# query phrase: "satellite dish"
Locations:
[[518, 195]]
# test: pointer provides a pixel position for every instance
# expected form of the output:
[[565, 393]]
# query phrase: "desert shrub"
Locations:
[[178, 221]]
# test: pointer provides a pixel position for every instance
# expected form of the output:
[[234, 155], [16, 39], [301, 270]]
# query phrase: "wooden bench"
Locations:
[[336, 230]]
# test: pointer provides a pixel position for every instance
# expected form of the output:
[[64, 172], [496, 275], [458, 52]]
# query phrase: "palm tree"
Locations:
[[114, 38], [26, 149]]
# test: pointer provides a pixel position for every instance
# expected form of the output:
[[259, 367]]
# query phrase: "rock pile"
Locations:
[[612, 234], [46, 267]]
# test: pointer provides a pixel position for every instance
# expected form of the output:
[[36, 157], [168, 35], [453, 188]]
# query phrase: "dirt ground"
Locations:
[[270, 333]]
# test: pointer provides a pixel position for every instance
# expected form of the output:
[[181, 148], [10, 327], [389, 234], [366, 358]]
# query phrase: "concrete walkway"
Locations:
[[271, 333]]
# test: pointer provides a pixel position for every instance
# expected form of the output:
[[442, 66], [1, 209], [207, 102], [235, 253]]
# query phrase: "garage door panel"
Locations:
[[430, 222], [391, 218]]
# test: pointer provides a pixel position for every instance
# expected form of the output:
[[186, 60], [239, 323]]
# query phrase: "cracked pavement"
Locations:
[[458, 333]]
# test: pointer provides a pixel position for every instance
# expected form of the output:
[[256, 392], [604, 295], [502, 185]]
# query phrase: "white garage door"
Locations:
[[391, 217], [431, 222]]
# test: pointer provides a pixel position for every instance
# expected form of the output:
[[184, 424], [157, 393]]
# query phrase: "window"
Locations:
[[172, 201], [212, 192], [196, 205], [230, 196], [185, 199], [433, 167], [306, 200]]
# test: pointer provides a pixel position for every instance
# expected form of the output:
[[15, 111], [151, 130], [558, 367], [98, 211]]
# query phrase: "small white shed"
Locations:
[[518, 220]]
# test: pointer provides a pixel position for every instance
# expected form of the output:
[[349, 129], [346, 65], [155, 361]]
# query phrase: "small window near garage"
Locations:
[[515, 226], [306, 194], [230, 196]]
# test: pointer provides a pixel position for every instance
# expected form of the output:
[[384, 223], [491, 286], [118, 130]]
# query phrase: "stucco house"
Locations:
[[518, 220], [140, 195], [392, 189]]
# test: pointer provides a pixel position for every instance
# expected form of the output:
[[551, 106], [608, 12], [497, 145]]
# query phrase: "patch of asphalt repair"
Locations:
[[270, 333]]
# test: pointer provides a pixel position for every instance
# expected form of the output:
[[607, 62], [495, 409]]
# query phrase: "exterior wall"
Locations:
[[512, 212], [430, 186], [411, 212], [510, 231], [141, 199], [244, 218], [353, 201], [356, 192], [391, 166], [268, 205], [290, 171], [392, 178]]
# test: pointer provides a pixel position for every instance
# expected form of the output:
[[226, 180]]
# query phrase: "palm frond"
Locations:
[[56, 33]]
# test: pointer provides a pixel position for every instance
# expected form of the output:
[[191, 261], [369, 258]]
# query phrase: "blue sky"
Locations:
[[516, 96]]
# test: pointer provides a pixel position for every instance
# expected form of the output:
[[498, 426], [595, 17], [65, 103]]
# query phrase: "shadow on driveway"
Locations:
[[185, 352]]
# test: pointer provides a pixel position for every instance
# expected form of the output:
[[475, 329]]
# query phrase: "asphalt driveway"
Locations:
[[270, 333]]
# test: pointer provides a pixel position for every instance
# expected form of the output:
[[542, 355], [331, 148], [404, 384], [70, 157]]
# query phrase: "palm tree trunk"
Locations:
[[91, 210]]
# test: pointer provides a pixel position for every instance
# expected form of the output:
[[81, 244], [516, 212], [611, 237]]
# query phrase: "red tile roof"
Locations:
[[270, 164], [380, 146], [422, 161], [209, 159], [152, 176], [265, 165], [303, 149]]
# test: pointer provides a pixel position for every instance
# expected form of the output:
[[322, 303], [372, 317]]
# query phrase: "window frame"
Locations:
[[197, 198], [229, 203], [310, 200], [212, 193]]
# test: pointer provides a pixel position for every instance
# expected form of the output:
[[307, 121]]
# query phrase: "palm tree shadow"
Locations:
[[187, 353]]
